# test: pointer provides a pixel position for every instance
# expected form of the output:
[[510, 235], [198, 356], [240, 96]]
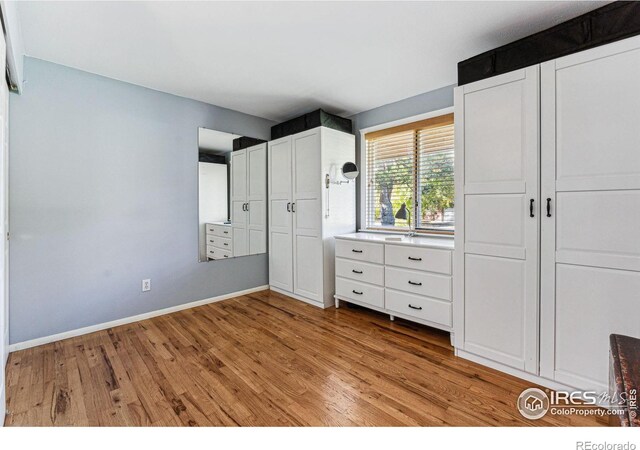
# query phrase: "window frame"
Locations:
[[362, 178]]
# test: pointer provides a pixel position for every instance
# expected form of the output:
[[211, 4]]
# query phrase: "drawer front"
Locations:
[[219, 242], [360, 271], [424, 308], [219, 230], [421, 283], [429, 259], [362, 292], [217, 253], [360, 251]]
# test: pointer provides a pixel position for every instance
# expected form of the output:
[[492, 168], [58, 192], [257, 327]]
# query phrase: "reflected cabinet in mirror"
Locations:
[[232, 195]]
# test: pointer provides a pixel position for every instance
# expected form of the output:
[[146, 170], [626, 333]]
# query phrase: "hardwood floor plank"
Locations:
[[262, 359]]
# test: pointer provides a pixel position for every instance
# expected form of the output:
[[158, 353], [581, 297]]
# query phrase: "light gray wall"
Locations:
[[103, 193], [412, 106]]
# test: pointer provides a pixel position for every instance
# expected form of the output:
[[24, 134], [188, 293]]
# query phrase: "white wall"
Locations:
[[212, 192]]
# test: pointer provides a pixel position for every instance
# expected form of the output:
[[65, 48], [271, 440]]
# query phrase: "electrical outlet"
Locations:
[[146, 285]]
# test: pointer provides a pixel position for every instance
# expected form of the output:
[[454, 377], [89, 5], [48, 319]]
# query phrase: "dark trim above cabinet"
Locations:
[[309, 121], [612, 22]]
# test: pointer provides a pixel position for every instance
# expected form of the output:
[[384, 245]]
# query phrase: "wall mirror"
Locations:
[[232, 195]]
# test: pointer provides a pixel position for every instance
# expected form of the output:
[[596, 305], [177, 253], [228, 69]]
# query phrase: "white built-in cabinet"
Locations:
[[249, 200], [305, 212], [591, 242], [547, 254]]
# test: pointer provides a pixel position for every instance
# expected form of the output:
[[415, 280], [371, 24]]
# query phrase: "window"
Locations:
[[410, 176]]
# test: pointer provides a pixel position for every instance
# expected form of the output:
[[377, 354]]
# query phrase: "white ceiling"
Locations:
[[278, 60], [216, 141]]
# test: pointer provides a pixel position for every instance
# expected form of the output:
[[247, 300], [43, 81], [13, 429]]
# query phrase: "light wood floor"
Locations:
[[261, 359]]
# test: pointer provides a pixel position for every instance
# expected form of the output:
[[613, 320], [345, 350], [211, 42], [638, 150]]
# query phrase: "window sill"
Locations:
[[430, 234]]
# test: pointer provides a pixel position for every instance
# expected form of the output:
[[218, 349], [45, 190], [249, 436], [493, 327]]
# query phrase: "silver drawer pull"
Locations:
[[356, 251], [415, 259], [226, 256], [210, 240], [414, 283], [356, 292], [415, 307], [356, 271], [226, 232], [226, 243]]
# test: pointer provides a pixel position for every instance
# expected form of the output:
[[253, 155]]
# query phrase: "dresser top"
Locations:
[[445, 243], [220, 224]]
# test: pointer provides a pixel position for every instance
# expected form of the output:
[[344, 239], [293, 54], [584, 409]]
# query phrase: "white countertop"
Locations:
[[219, 223], [445, 243]]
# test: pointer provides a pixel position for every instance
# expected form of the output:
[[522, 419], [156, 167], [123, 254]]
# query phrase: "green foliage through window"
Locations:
[[410, 164]]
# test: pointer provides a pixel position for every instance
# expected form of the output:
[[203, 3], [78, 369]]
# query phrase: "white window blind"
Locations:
[[411, 165]]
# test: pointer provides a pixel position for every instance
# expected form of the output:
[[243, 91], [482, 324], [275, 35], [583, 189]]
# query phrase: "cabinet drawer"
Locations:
[[360, 271], [217, 253], [361, 251], [424, 308], [219, 242], [362, 292], [422, 283], [219, 230], [429, 259]]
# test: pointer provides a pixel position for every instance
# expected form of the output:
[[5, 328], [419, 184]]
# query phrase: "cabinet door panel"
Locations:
[[307, 217], [280, 166], [495, 142], [597, 111], [591, 304], [257, 170], [495, 308], [599, 228], [496, 224], [240, 243], [256, 215], [257, 242], [238, 214], [239, 175], [239, 201], [306, 148], [257, 198], [308, 267], [497, 238], [281, 260], [280, 216]]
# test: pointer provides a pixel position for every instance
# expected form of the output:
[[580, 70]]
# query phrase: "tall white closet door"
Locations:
[[497, 174], [280, 215], [307, 216], [591, 241], [239, 202], [257, 199]]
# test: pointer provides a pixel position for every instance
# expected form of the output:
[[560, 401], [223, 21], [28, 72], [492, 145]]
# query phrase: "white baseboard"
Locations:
[[514, 372], [3, 405], [126, 320], [298, 297]]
